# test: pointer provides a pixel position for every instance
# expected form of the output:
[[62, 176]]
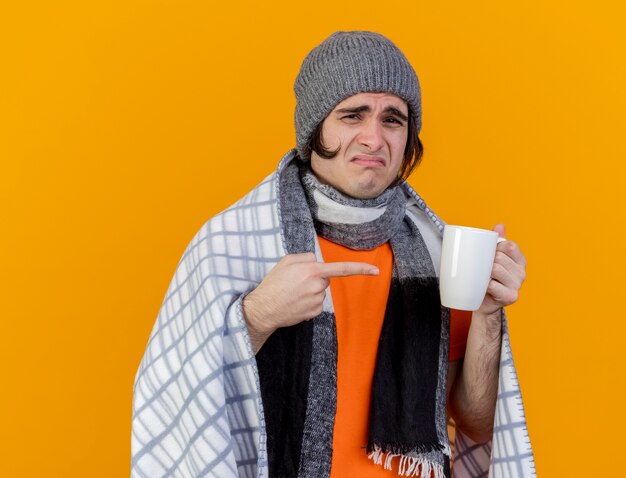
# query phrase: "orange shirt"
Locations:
[[360, 303]]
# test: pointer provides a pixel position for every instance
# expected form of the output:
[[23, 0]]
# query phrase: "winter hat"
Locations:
[[344, 64]]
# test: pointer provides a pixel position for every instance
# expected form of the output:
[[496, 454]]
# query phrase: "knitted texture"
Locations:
[[407, 418], [359, 224], [344, 64]]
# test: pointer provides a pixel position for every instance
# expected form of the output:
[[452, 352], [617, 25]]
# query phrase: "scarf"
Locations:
[[197, 398], [408, 413]]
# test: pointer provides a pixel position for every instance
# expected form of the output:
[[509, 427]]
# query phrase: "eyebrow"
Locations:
[[366, 109]]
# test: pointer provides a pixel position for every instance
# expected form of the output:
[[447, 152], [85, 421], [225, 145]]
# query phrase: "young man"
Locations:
[[327, 272]]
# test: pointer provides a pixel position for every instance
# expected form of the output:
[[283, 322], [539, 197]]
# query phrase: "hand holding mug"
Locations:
[[507, 275], [480, 270]]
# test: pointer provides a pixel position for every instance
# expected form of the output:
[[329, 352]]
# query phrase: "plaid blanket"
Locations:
[[197, 407]]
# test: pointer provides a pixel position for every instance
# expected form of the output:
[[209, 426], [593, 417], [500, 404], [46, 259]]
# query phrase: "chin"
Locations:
[[369, 191]]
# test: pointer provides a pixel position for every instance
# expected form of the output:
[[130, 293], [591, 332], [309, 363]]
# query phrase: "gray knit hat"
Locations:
[[344, 64]]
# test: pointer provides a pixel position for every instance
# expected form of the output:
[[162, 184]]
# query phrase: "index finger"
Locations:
[[345, 269]]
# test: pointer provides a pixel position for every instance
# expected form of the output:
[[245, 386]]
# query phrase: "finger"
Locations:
[[512, 250], [344, 269], [500, 229], [506, 277], [321, 284], [510, 265], [502, 295]]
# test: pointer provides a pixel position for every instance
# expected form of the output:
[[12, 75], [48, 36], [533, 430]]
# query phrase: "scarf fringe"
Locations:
[[407, 465], [398, 449]]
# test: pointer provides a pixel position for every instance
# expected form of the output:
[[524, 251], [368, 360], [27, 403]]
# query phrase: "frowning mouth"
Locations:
[[369, 161]]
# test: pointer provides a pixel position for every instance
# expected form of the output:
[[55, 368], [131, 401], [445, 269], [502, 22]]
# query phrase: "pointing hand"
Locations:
[[292, 292]]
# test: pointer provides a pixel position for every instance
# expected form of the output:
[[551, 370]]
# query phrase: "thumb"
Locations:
[[499, 228]]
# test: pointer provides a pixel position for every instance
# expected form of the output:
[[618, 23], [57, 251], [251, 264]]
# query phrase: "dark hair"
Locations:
[[413, 150]]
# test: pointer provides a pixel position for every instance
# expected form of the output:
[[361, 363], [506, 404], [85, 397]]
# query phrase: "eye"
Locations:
[[351, 116], [393, 120]]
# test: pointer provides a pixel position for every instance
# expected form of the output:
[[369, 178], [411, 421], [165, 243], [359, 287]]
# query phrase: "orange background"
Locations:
[[126, 124]]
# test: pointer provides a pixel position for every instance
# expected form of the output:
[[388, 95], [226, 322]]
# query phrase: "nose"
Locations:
[[371, 135]]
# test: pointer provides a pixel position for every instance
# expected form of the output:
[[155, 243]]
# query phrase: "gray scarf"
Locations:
[[359, 224], [297, 365]]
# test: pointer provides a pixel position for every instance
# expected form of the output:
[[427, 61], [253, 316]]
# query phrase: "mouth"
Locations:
[[368, 161]]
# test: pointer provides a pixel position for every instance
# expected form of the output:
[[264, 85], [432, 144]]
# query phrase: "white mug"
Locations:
[[467, 256]]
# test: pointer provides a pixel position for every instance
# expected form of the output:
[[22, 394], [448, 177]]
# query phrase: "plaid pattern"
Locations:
[[509, 451], [197, 407]]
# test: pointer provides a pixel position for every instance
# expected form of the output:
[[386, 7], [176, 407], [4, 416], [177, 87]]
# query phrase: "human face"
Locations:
[[370, 131]]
